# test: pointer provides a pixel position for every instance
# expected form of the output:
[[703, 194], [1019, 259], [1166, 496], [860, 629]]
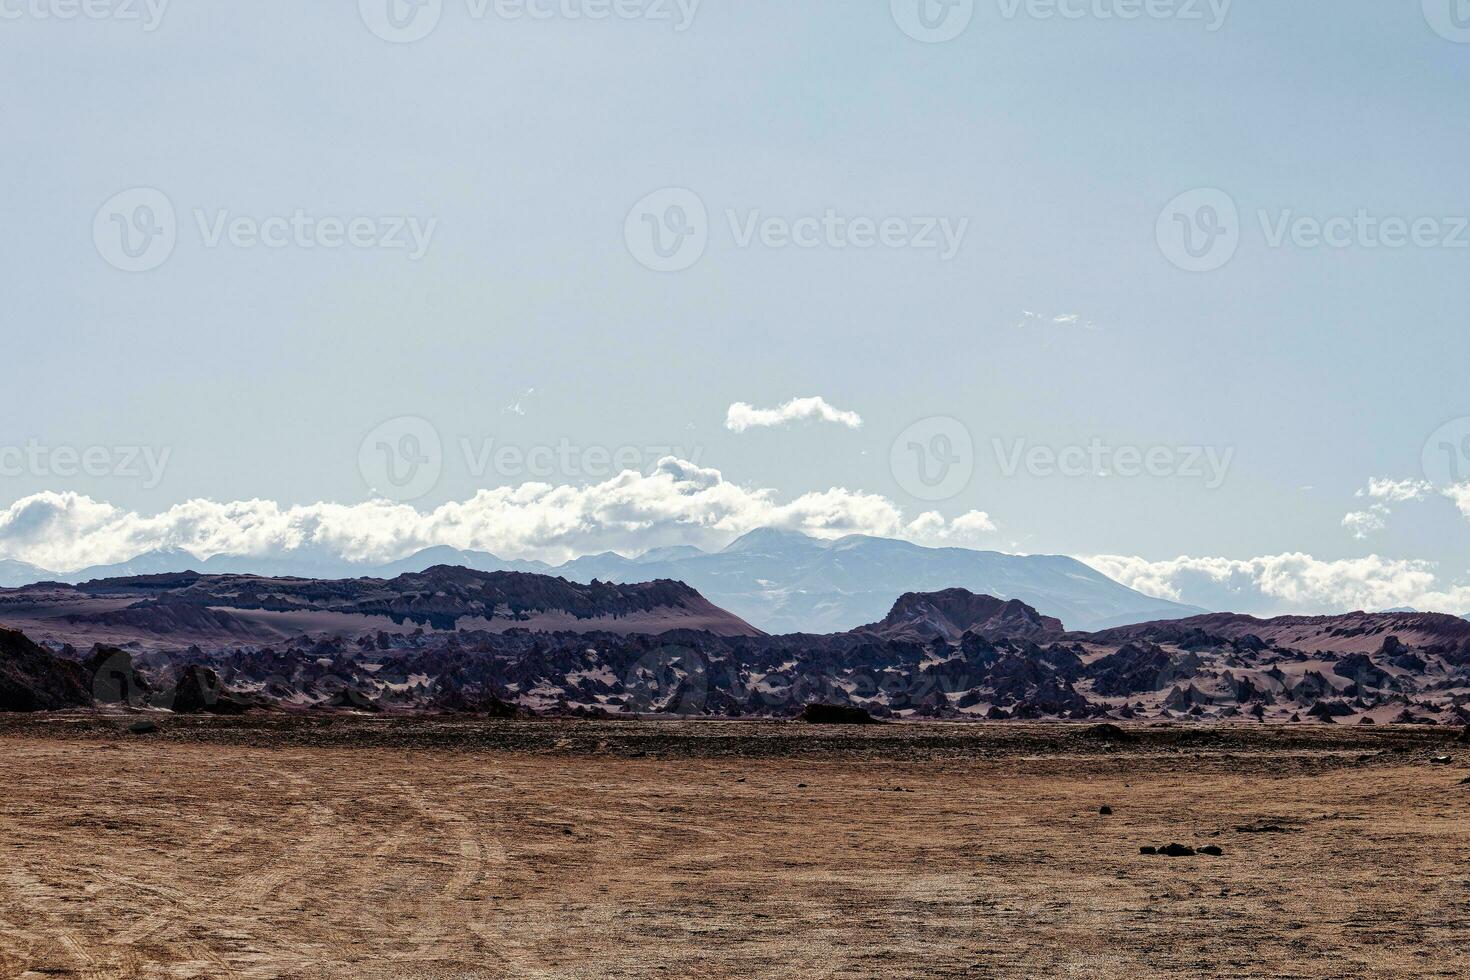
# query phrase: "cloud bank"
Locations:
[[677, 503], [1290, 583], [743, 416]]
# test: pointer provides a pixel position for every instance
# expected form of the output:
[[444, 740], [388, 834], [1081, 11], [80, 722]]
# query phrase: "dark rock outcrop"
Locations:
[[836, 714], [200, 691], [954, 612], [114, 679], [32, 679]]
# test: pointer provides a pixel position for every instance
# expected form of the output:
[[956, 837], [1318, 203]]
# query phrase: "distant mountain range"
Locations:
[[778, 581]]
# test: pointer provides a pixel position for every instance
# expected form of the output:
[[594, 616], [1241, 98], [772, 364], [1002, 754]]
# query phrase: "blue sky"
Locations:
[[518, 146]]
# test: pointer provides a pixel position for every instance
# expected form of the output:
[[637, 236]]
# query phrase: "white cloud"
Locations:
[[517, 407], [1365, 522], [743, 416], [1278, 584], [1460, 494], [678, 503], [1030, 318], [1397, 491], [966, 530]]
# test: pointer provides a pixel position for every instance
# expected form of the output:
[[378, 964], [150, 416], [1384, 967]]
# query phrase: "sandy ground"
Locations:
[[244, 853]]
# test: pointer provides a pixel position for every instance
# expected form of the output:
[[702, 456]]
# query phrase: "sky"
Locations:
[[1178, 287]]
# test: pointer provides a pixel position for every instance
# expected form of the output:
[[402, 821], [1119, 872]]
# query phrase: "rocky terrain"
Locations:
[[31, 679], [456, 640], [430, 777]]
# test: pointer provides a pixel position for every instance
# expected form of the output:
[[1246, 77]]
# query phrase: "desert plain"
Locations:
[[349, 847]]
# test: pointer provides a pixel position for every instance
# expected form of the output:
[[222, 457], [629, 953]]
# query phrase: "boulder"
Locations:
[[1107, 732], [200, 691], [352, 699], [114, 678], [836, 714]]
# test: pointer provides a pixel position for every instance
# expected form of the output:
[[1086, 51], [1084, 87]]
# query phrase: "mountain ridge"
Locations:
[[777, 580], [191, 608]]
